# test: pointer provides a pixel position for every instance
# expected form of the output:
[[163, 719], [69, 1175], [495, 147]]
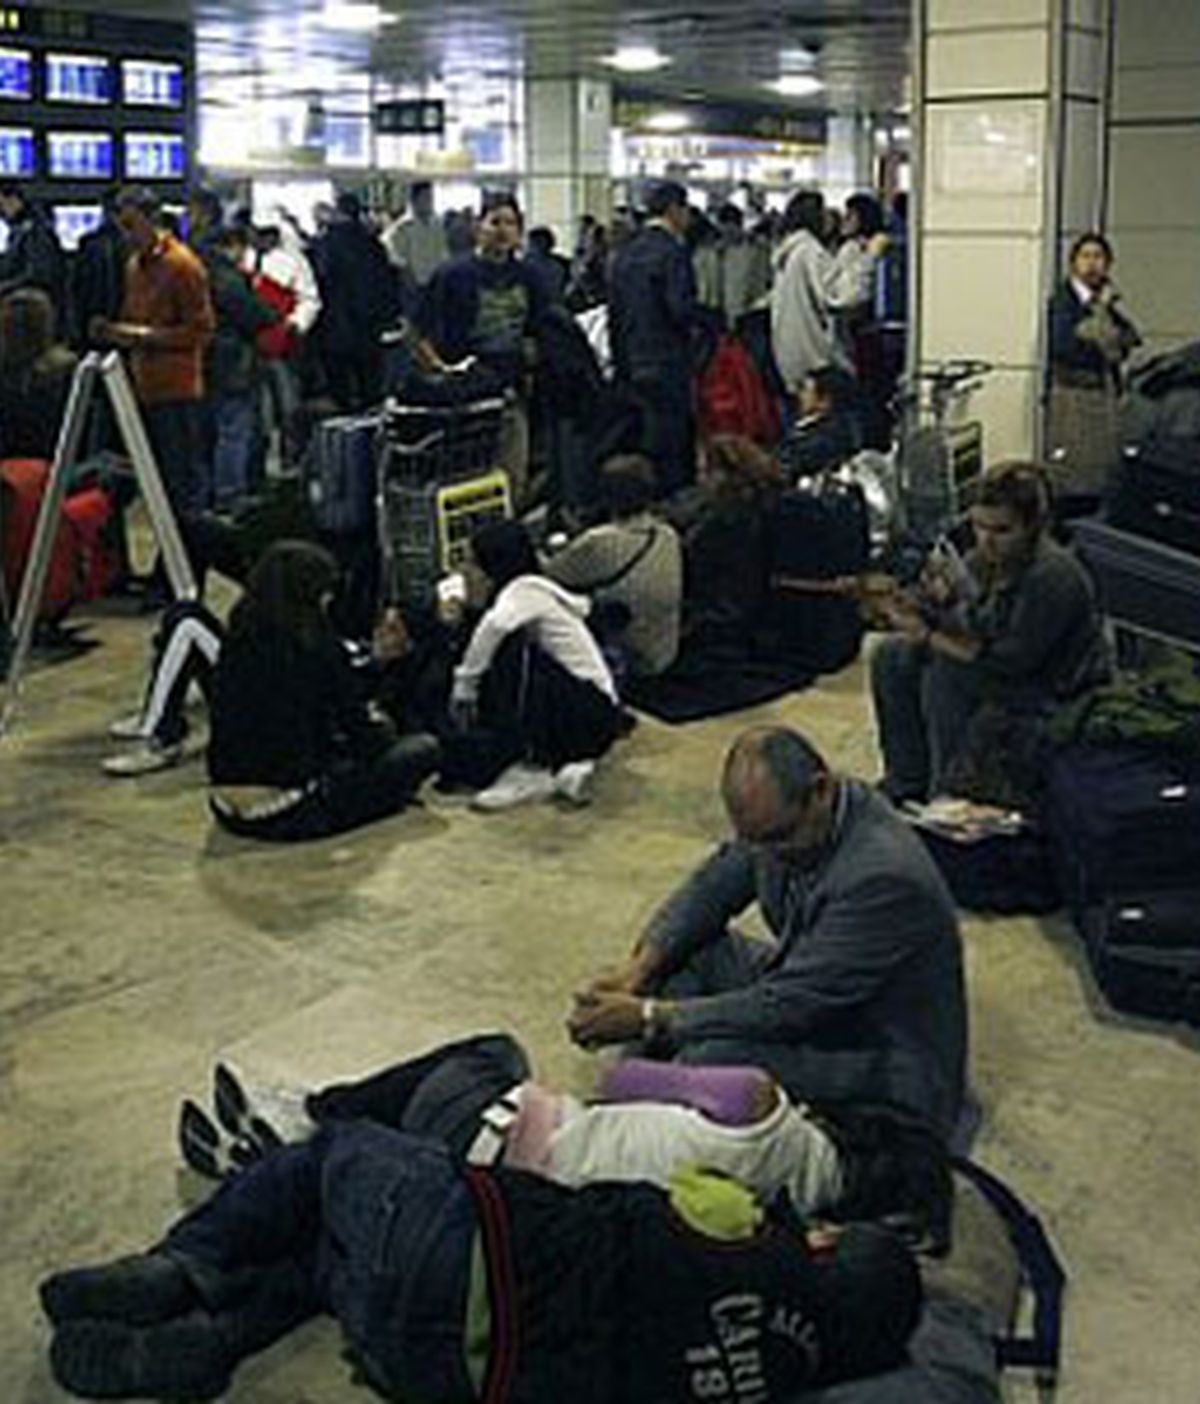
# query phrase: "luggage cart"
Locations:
[[438, 481], [442, 443], [939, 450]]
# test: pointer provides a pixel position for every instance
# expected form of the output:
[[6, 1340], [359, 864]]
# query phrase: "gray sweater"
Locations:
[[860, 997]]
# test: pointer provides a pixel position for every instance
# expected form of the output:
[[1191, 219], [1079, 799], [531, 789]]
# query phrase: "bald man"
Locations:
[[857, 1000]]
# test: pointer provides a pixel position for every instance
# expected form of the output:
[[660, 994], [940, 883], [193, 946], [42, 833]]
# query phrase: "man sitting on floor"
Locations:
[[859, 999]]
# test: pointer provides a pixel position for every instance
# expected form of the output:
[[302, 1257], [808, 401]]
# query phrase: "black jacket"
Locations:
[[98, 278], [34, 259], [285, 712], [1071, 352], [652, 307], [360, 289], [605, 1295]]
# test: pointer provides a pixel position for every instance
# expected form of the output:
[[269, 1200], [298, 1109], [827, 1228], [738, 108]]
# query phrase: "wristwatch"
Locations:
[[654, 1021]]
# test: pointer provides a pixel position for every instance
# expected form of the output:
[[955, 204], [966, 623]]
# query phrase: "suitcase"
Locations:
[[1010, 874], [340, 473], [1145, 952], [1121, 821], [1157, 494], [1143, 584], [22, 485], [819, 534], [96, 533]]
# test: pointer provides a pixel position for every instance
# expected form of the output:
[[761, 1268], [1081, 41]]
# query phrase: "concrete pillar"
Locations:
[[1009, 106], [567, 127]]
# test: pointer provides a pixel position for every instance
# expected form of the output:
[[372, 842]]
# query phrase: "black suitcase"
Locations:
[[1141, 583], [1010, 874], [1157, 494], [339, 469], [819, 535], [1121, 821], [1145, 952]]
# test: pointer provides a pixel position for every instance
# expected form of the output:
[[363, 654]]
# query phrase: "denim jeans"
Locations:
[[366, 1222], [923, 706], [235, 434]]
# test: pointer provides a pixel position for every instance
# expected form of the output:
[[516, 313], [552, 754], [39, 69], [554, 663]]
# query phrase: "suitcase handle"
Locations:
[[1041, 1349]]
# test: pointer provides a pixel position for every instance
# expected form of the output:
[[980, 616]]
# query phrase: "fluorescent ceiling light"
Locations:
[[348, 15], [669, 122], [797, 85], [637, 58]]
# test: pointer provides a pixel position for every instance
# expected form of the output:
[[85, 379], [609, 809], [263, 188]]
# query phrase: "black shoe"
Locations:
[[207, 1150], [235, 1113], [229, 1100], [183, 1359], [137, 1291]]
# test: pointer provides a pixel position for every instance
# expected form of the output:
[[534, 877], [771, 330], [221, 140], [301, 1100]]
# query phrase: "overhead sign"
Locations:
[[636, 110], [411, 117]]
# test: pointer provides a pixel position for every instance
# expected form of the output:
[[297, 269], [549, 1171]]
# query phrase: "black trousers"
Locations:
[[348, 796], [530, 708]]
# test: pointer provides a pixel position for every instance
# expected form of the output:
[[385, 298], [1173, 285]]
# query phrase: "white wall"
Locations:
[[1154, 173]]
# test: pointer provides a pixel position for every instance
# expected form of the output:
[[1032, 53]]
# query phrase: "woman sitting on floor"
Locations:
[[978, 661], [533, 699], [294, 751]]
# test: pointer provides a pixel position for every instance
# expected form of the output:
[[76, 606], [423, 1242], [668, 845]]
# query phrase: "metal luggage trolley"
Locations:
[[438, 483], [940, 450]]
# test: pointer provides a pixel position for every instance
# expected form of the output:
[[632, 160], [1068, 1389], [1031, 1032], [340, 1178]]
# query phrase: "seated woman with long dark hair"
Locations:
[[533, 696], [294, 751]]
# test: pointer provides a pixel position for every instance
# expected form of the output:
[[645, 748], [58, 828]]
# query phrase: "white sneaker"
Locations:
[[573, 781], [130, 728], [145, 760], [519, 784]]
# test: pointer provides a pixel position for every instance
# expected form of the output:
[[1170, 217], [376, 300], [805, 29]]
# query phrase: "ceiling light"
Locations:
[[668, 122], [636, 58], [359, 18], [797, 85]]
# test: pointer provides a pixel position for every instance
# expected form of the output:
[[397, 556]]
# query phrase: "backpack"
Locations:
[[732, 398]]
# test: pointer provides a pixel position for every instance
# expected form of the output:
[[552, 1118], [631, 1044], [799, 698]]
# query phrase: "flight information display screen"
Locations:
[[80, 155], [72, 222], [80, 78], [17, 158], [16, 74], [150, 83], [154, 156]]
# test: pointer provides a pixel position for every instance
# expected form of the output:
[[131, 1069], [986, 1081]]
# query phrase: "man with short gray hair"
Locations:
[[858, 1000]]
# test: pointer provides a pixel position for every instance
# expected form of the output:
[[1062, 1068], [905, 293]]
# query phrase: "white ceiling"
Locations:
[[720, 49]]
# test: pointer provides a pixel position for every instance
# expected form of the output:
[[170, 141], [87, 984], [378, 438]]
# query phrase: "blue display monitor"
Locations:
[[72, 222], [151, 83], [154, 156], [17, 159], [79, 78], [16, 74], [80, 155]]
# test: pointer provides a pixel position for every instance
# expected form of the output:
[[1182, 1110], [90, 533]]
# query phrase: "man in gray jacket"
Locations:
[[858, 999]]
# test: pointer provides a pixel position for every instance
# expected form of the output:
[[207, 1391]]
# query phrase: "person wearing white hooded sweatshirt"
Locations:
[[810, 287], [533, 679]]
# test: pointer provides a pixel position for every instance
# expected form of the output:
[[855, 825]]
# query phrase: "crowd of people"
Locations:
[[463, 1222]]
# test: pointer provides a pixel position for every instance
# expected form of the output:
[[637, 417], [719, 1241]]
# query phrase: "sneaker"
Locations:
[[185, 1358], [519, 784], [207, 1151], [137, 1291], [573, 781], [130, 728], [148, 758], [263, 1115]]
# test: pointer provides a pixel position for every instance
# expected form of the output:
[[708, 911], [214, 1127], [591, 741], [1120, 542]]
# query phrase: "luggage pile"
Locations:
[[1124, 824], [1146, 554]]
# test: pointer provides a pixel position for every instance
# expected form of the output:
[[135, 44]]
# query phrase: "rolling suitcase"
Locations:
[[1121, 821], [1145, 952], [339, 470], [1158, 495], [1009, 874], [819, 538]]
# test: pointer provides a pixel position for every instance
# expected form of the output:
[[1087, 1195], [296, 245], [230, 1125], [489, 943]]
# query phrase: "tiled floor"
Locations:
[[138, 943]]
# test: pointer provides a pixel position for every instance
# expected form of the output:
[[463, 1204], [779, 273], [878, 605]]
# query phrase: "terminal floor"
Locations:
[[137, 944]]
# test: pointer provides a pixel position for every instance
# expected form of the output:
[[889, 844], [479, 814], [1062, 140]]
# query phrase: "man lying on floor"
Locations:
[[456, 1283], [650, 1121]]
